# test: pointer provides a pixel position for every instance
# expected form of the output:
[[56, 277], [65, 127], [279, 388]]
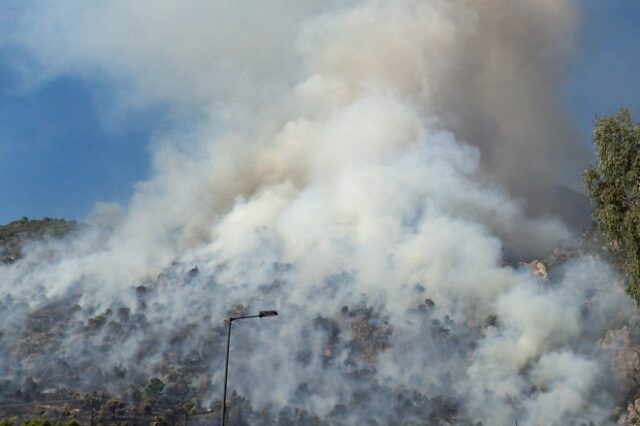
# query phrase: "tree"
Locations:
[[613, 184], [154, 389], [113, 405]]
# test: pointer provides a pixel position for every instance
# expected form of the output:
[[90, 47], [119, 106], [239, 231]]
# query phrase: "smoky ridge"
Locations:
[[372, 365]]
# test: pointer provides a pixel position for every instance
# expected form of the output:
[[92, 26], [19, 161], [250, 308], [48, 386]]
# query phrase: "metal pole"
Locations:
[[226, 374], [262, 314]]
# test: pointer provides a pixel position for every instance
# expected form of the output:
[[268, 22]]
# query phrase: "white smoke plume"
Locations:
[[344, 160]]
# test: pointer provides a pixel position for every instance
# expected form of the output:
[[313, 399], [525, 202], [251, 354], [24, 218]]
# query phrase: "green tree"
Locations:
[[113, 405], [154, 389], [37, 422], [613, 184]]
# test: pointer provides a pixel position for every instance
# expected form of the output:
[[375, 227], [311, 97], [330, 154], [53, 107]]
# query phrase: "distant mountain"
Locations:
[[571, 206]]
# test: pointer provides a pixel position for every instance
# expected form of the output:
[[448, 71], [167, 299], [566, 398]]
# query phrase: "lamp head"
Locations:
[[263, 314]]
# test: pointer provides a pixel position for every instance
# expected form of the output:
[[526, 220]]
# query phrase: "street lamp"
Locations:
[[261, 314]]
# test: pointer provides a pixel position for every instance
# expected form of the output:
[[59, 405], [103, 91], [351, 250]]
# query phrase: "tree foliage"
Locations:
[[154, 388], [613, 184]]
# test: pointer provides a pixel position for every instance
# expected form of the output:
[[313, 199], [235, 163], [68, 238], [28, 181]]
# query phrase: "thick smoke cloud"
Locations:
[[349, 161]]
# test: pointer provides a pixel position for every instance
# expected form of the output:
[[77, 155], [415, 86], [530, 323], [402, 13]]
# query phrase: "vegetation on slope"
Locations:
[[613, 184], [14, 235]]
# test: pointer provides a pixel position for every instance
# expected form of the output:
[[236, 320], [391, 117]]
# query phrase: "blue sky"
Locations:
[[58, 157], [605, 74]]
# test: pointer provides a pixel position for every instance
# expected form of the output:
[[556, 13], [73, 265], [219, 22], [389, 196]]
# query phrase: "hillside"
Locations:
[[14, 235], [173, 373]]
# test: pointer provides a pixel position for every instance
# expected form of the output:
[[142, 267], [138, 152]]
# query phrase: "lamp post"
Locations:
[[261, 314]]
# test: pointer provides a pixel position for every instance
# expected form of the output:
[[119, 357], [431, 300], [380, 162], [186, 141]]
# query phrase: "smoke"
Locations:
[[352, 166]]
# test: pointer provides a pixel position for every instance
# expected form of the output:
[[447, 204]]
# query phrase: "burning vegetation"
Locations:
[[60, 378]]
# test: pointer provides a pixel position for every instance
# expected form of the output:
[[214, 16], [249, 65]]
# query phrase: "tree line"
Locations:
[[613, 185]]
